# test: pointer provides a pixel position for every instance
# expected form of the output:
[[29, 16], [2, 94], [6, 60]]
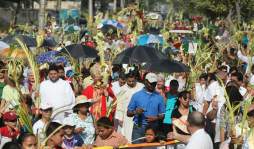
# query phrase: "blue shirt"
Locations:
[[151, 103], [170, 106]]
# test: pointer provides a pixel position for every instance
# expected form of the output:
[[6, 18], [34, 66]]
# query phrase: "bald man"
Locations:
[[199, 138]]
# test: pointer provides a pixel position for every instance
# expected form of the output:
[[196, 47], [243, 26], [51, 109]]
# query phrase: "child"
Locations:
[[150, 135], [10, 130], [40, 126], [71, 140]]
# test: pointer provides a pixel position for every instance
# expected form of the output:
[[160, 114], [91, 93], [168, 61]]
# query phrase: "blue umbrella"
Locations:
[[51, 57], [149, 39], [114, 23]]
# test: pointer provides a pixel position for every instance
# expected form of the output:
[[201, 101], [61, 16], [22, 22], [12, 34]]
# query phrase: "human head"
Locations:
[[160, 82], [238, 77], [250, 115], [105, 127], [82, 105], [10, 119], [11, 145], [150, 134], [196, 120], [46, 113], [131, 79], [55, 138], [53, 73], [184, 98], [151, 81], [69, 127], [28, 141], [234, 95], [61, 72], [174, 85], [2, 72], [122, 79], [203, 78]]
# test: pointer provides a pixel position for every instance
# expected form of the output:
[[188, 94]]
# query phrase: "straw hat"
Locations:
[[82, 100], [181, 124]]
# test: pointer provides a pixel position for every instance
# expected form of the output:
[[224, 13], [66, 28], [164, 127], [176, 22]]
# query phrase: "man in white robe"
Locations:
[[58, 93], [125, 123]]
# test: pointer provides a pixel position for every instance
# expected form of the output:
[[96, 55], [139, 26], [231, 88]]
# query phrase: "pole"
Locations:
[[115, 5], [122, 3], [42, 13], [90, 10]]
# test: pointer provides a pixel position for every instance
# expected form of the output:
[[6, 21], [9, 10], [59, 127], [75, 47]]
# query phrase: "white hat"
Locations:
[[68, 122], [81, 100], [45, 106], [151, 77]]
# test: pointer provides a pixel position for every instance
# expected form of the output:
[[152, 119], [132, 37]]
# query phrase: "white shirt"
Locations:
[[199, 97], [252, 80], [39, 128], [116, 87], [214, 89], [200, 140], [59, 95]]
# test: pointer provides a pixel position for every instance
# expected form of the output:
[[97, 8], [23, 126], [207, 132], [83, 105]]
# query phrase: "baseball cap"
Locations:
[[68, 122], [9, 116], [151, 77], [45, 106]]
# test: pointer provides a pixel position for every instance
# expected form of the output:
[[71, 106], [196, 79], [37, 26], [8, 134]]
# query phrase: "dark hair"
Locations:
[[212, 76], [131, 74], [24, 136], [60, 67], [122, 76], [203, 76], [53, 67], [105, 122], [234, 95], [238, 75], [183, 94], [174, 85], [251, 113], [11, 145], [52, 126], [196, 119], [223, 67]]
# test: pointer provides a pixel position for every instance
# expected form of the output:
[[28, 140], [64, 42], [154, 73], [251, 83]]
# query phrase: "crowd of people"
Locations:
[[132, 105]]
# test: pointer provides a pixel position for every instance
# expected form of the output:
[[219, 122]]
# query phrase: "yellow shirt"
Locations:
[[11, 96]]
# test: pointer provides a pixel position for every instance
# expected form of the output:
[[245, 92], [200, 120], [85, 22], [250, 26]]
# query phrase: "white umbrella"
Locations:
[[181, 31], [3, 45]]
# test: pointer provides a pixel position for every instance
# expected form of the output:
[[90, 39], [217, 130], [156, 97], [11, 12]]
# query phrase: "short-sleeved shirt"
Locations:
[[11, 95], [170, 105], [151, 103], [115, 140], [88, 134]]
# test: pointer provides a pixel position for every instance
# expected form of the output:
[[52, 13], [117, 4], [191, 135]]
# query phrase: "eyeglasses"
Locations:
[[185, 98]]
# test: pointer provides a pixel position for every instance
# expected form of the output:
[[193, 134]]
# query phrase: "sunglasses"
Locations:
[[185, 98]]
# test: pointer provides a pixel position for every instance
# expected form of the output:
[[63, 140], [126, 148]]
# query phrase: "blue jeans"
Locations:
[[138, 133]]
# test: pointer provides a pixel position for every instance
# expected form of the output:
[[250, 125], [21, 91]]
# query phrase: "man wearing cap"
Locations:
[[57, 93], [40, 126], [147, 107], [10, 130]]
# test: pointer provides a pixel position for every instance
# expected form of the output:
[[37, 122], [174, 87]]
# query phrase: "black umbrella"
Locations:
[[138, 55], [29, 41], [49, 42], [167, 66], [80, 51]]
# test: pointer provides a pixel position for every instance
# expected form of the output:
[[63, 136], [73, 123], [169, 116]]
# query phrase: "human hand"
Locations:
[[215, 104], [139, 111], [237, 140], [79, 130], [151, 118]]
